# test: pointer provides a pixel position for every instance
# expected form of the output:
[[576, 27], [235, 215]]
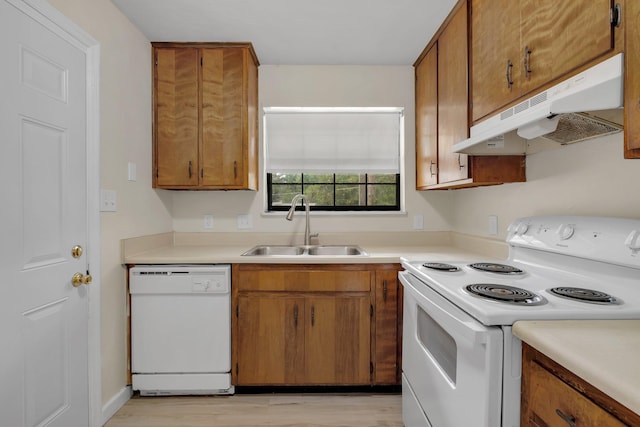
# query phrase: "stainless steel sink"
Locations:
[[274, 250], [328, 250], [322, 250]]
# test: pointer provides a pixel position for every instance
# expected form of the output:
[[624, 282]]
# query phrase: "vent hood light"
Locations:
[[598, 88]]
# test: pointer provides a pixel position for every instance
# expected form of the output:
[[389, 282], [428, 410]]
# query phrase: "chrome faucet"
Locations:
[[292, 210]]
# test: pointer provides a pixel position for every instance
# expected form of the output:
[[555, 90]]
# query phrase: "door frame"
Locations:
[[51, 18]]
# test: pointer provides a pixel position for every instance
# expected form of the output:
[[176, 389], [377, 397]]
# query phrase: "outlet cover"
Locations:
[[493, 225], [418, 222], [108, 201], [208, 222], [245, 222]]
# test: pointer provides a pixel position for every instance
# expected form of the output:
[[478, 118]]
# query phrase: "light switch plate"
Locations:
[[418, 222], [131, 171]]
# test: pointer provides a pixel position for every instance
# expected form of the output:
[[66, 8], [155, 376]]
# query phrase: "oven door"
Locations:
[[451, 362]]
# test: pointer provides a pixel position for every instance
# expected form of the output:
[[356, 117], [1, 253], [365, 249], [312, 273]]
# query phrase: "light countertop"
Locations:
[[201, 248], [605, 353]]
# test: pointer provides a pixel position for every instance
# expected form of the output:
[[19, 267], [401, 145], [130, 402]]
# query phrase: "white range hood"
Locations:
[[598, 88]]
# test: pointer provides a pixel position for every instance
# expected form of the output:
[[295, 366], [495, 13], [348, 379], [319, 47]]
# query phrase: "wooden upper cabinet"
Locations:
[[494, 54], [632, 80], [427, 119], [176, 117], [205, 116], [521, 46], [442, 113], [453, 121]]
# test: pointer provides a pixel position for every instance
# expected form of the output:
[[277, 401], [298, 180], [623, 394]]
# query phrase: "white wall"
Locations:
[[299, 85], [586, 178], [125, 135]]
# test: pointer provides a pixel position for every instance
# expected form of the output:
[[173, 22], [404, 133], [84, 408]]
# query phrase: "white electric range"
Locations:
[[461, 363]]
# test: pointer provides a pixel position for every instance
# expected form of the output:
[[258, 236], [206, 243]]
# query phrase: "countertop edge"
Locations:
[[601, 352]]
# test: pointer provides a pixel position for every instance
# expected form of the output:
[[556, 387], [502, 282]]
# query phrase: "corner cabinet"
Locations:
[[205, 127], [312, 325], [554, 396], [442, 116]]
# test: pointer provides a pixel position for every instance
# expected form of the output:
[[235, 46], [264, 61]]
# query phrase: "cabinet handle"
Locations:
[[295, 315], [460, 165], [569, 419], [527, 61], [431, 168], [508, 74], [190, 169], [235, 169], [313, 315], [384, 290]]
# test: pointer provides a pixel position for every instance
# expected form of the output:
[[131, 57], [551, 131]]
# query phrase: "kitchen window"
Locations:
[[342, 159]]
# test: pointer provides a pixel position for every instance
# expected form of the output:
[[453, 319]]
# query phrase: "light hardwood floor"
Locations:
[[283, 410]]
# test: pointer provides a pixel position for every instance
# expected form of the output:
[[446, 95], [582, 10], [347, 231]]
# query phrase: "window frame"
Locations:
[[335, 208]]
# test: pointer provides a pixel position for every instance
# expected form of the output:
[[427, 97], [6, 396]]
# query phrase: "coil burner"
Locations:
[[584, 295], [505, 293], [496, 268], [440, 266]]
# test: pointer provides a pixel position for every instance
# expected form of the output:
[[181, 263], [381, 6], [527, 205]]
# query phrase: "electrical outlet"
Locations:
[[244, 222], [418, 222], [108, 201], [493, 225], [208, 222]]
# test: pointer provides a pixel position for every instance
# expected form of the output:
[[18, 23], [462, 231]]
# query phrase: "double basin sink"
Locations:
[[320, 250]]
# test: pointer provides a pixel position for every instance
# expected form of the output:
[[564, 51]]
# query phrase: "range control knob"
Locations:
[[565, 231], [633, 241], [521, 228]]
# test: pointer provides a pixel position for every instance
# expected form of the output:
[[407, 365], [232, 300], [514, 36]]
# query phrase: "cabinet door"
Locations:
[[632, 81], [270, 340], [495, 43], [562, 38], [453, 125], [176, 117], [427, 120], [223, 103], [338, 346], [386, 328]]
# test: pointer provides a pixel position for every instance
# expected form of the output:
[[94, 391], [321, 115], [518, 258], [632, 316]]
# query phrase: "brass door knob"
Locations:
[[76, 251], [79, 279]]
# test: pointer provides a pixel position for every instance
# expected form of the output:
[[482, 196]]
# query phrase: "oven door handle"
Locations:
[[448, 316]]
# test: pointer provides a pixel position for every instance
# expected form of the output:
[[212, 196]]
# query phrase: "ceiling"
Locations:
[[296, 32]]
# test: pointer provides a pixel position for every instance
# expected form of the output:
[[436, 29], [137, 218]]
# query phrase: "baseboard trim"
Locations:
[[116, 402]]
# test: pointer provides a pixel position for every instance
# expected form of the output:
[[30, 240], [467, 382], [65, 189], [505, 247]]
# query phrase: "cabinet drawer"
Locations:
[[554, 403], [303, 280]]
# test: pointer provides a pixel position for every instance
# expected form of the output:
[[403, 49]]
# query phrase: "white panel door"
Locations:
[[43, 215]]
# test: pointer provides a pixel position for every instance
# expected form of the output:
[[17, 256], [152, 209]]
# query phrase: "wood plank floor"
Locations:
[[282, 410]]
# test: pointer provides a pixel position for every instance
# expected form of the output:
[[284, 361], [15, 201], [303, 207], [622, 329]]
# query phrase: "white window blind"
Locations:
[[332, 140]]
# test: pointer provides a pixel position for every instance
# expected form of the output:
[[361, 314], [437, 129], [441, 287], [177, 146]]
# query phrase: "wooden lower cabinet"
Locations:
[[315, 325], [553, 396]]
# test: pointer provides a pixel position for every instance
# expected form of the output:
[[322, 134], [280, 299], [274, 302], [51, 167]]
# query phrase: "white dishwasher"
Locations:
[[181, 329]]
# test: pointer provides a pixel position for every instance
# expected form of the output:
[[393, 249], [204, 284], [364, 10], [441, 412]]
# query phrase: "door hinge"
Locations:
[[615, 15]]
